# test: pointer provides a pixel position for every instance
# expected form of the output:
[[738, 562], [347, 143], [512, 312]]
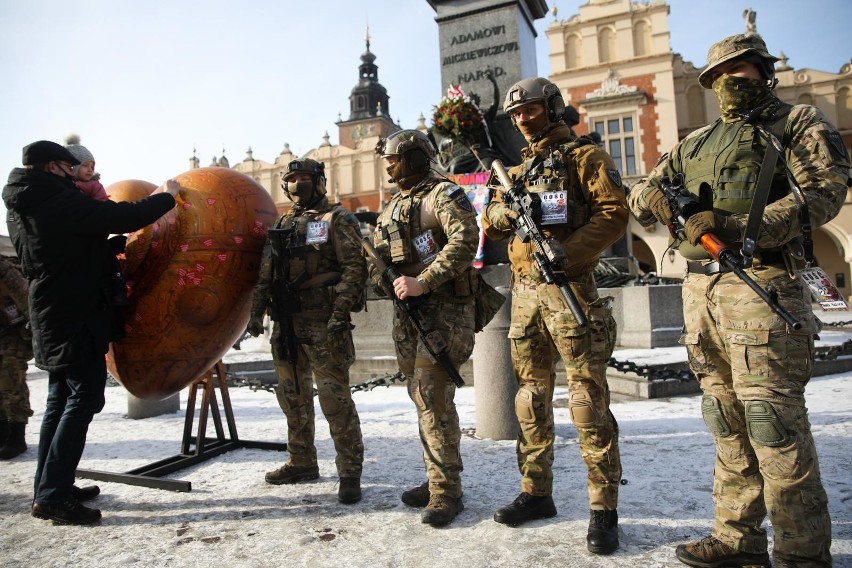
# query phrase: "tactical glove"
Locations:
[[659, 205], [705, 222], [255, 326], [337, 322], [501, 216]]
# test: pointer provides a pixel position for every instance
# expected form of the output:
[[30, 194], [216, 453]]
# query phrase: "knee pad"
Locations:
[[530, 406], [764, 425], [711, 410], [582, 409]]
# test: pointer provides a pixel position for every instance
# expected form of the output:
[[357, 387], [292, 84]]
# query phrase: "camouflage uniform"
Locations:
[[430, 232], [16, 346], [336, 274], [544, 329], [752, 367]]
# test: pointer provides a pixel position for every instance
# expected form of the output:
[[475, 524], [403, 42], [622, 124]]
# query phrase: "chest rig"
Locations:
[[412, 238], [552, 174], [727, 158], [300, 244]]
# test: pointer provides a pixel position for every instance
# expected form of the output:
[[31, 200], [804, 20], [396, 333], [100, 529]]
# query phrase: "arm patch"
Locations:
[[459, 197]]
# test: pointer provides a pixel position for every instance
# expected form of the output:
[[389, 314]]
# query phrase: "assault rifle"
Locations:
[[683, 206], [433, 341], [285, 301], [547, 252]]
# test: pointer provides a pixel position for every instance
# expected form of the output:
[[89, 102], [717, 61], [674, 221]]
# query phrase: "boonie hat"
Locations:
[[45, 151], [730, 48]]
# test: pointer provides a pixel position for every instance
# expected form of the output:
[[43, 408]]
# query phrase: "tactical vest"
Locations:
[[727, 157], [558, 172], [414, 236], [307, 249]]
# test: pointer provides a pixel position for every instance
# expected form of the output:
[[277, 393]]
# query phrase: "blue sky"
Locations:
[[143, 83]]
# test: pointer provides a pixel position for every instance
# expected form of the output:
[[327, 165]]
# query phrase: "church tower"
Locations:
[[369, 113]]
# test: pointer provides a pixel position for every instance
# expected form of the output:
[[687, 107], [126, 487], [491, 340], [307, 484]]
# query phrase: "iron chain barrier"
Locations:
[[650, 372]]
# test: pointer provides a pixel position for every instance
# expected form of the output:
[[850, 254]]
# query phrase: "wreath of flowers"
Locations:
[[458, 118]]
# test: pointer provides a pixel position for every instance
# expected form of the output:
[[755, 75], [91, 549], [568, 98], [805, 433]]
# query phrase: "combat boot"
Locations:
[[289, 473], [349, 490], [441, 510], [526, 507], [709, 552], [416, 496], [15, 443], [602, 537]]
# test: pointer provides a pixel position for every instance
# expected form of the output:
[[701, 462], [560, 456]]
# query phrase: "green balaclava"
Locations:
[[738, 95]]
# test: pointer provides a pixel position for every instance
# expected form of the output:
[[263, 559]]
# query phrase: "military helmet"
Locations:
[[403, 141], [308, 166], [733, 47], [304, 166], [537, 89]]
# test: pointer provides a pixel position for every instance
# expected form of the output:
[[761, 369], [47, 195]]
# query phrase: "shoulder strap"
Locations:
[[778, 116]]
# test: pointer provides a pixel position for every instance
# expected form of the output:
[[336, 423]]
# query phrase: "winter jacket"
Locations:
[[60, 236]]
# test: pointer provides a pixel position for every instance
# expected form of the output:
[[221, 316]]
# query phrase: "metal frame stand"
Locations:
[[194, 449]]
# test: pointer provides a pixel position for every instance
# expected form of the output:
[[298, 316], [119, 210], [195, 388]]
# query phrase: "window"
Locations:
[[618, 137], [695, 106], [606, 45], [641, 38], [573, 51], [844, 108]]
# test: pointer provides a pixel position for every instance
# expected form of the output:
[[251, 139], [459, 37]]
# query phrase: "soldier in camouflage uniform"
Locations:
[[428, 232], [16, 348], [591, 214], [752, 367], [316, 270]]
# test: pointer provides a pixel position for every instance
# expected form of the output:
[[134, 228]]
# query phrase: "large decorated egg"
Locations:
[[190, 278]]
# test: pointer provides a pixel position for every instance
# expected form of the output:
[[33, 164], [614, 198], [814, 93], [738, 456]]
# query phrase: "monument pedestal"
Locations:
[[496, 384]]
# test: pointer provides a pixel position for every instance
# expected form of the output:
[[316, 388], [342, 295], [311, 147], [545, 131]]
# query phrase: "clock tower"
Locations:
[[369, 113]]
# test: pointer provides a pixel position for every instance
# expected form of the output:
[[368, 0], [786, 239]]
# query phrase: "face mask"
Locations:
[[395, 171], [738, 95], [532, 127], [300, 192]]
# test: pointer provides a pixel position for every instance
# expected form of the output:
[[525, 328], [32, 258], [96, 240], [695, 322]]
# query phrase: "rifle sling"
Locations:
[[758, 204]]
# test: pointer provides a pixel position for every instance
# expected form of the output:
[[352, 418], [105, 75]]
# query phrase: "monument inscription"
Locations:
[[483, 36]]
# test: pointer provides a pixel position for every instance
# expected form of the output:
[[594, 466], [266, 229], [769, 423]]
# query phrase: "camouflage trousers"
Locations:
[[15, 351], [325, 358], [542, 330], [753, 371], [431, 389]]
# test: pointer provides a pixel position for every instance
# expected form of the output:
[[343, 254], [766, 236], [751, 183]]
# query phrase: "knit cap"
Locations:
[[72, 142]]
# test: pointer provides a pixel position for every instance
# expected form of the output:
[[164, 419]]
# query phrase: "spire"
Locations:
[[368, 96]]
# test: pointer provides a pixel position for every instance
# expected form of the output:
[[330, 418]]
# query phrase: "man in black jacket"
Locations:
[[60, 236]]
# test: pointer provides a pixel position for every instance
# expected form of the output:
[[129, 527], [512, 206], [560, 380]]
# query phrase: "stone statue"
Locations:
[[751, 20]]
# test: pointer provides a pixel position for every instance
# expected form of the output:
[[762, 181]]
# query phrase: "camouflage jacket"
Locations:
[[814, 155], [437, 231], [597, 212], [14, 300], [334, 258]]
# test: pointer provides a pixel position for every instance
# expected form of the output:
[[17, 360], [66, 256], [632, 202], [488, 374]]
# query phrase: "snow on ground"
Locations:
[[232, 517]]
